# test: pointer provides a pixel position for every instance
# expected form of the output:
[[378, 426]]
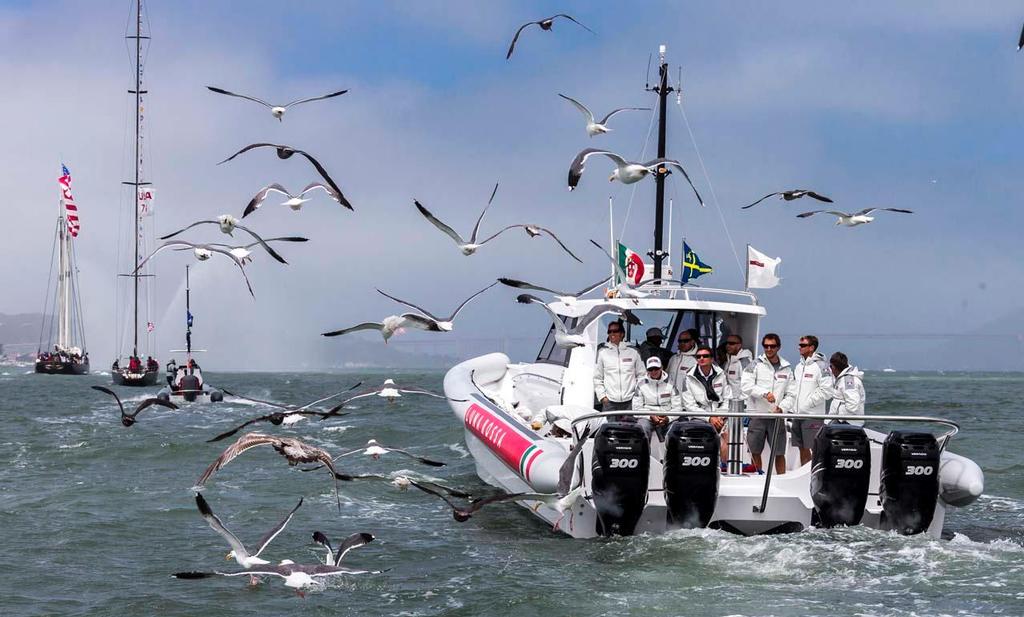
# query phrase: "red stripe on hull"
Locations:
[[501, 439]]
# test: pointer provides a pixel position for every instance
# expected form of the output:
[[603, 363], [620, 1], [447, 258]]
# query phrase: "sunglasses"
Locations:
[[804, 345], [732, 343], [686, 340], [702, 355], [615, 332], [769, 346]]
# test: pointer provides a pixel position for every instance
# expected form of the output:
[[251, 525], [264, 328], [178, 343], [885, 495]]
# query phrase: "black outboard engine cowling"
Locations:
[[909, 482], [691, 473], [840, 474], [190, 387], [621, 462]]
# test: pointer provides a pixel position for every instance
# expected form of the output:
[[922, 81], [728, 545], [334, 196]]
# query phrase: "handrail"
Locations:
[[771, 467]]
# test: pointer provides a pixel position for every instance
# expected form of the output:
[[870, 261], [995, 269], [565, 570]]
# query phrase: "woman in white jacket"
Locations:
[[848, 387]]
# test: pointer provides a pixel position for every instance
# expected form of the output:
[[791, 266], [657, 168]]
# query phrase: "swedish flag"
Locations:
[[692, 265]]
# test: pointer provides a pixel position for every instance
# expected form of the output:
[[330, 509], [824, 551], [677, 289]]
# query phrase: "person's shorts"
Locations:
[[619, 406], [804, 432], [758, 431]]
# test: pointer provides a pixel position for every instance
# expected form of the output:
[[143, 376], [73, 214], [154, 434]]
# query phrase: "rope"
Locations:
[[711, 187], [42, 325], [632, 194]]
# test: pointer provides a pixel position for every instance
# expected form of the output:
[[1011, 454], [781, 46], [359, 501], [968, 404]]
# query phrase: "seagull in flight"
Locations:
[[857, 218], [1020, 42], [626, 172], [239, 553], [284, 152], [468, 247], [594, 127], [566, 297], [296, 576], [243, 253], [202, 253], [375, 449], [294, 201], [289, 414], [294, 450], [353, 541], [463, 513], [277, 110], [128, 419], [438, 324], [545, 24], [790, 196], [228, 224], [390, 326], [576, 337]]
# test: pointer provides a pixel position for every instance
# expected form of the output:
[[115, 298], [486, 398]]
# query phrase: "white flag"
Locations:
[[761, 269]]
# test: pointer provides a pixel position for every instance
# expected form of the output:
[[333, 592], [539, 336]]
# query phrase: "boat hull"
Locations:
[[485, 395], [62, 368], [136, 380]]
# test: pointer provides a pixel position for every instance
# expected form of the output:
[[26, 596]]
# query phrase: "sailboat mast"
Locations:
[[63, 284], [138, 163], [188, 316], [659, 199]]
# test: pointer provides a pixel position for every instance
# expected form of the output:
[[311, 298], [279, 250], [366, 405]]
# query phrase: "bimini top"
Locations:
[[669, 296]]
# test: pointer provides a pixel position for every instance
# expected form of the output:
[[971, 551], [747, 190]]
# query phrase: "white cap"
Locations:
[[653, 362]]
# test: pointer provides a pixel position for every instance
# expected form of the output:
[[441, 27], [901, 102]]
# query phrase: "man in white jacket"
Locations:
[[683, 360], [849, 388], [737, 360], [707, 390], [807, 392], [764, 384], [656, 396], [616, 372]]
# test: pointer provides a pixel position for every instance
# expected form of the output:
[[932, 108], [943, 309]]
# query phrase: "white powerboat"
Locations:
[[531, 428]]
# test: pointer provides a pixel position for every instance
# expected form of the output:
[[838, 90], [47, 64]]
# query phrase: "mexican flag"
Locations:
[[631, 263]]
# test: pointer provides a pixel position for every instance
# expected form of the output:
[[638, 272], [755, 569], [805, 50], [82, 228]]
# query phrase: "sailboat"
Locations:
[[532, 429], [185, 381], [131, 369], [68, 356]]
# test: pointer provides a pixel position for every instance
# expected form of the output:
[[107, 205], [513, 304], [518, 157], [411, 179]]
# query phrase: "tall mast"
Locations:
[[659, 179], [188, 317], [137, 216], [63, 284]]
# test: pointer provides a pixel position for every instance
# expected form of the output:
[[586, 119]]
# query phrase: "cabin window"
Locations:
[[551, 353]]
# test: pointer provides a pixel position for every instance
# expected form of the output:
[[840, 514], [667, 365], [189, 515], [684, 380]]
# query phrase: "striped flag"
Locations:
[[71, 210]]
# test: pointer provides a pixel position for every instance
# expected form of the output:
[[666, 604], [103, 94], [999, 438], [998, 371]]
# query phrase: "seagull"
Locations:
[[1020, 43], [289, 415], [296, 576], [353, 541], [294, 450], [375, 449], [463, 513], [294, 201], [243, 253], [469, 247], [277, 110], [790, 196], [202, 253], [576, 336], [284, 152], [128, 419], [565, 297], [594, 127], [545, 24], [857, 218], [562, 503], [390, 391], [228, 224], [626, 172], [238, 551], [403, 483], [438, 324], [392, 325]]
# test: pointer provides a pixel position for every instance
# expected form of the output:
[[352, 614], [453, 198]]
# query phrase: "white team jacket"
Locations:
[[810, 387], [616, 371], [678, 364], [656, 396], [761, 378], [695, 397], [849, 394]]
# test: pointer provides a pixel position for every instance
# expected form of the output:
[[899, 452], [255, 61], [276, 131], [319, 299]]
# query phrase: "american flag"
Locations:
[[71, 210]]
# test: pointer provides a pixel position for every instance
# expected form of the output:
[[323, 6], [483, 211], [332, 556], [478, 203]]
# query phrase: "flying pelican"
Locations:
[[277, 110], [790, 196], [857, 218], [284, 152], [594, 127], [294, 201], [626, 172], [128, 419], [545, 24]]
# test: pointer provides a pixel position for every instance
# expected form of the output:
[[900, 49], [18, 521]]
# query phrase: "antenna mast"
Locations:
[[662, 89]]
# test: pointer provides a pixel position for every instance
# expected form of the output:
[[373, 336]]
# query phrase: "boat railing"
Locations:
[[692, 292]]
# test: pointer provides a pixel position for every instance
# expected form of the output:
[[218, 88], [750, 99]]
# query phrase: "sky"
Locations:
[[910, 105]]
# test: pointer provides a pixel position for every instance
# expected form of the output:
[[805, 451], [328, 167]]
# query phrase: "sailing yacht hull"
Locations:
[[139, 380], [62, 368]]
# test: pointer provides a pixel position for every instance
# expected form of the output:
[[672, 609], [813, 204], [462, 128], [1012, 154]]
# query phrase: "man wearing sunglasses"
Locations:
[[616, 372], [737, 360], [764, 385], [684, 360], [808, 391]]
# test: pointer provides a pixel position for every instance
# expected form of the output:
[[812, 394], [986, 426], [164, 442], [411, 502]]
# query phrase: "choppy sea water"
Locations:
[[95, 517]]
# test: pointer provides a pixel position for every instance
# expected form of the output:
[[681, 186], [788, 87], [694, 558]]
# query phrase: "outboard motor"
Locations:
[[190, 387], [840, 474], [691, 473], [621, 462], [909, 482]]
